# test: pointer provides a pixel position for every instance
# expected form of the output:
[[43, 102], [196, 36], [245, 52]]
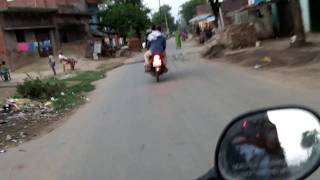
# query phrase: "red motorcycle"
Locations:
[[157, 66]]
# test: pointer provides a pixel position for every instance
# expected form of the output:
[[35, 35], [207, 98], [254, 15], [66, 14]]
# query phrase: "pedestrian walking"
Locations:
[[52, 64], [178, 40]]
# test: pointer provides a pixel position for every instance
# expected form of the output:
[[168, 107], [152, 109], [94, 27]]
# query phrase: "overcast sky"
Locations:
[[175, 4]]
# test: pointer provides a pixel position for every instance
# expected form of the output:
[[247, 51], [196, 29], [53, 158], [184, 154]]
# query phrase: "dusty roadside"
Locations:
[[22, 120], [274, 61]]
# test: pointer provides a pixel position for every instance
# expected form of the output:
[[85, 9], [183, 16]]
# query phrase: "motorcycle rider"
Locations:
[[156, 44]]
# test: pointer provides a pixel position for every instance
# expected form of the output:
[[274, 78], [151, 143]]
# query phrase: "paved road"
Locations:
[[136, 129]]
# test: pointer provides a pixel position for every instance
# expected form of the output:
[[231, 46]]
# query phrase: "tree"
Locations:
[[310, 138], [159, 18], [189, 10], [298, 28], [125, 15], [215, 6]]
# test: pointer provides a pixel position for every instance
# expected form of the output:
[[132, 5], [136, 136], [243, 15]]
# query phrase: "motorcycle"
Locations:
[[272, 143], [157, 66]]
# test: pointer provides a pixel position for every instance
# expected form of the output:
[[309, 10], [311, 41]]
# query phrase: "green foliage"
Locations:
[[158, 18], [189, 10], [64, 96], [68, 100], [88, 76], [310, 138], [40, 88], [73, 94], [85, 78], [123, 15]]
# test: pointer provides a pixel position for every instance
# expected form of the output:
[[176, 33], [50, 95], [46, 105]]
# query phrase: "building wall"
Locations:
[[75, 28], [203, 9], [233, 5], [8, 43], [306, 15], [18, 59], [32, 3], [93, 9], [263, 24], [2, 44]]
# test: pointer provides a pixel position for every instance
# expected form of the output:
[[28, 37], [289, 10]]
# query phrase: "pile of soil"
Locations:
[[214, 51], [274, 58], [239, 36]]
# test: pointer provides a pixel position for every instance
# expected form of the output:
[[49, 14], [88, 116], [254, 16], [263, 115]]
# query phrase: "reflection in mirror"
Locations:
[[277, 144], [299, 138]]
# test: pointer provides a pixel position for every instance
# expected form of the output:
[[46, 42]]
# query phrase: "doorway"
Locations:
[[315, 15], [44, 42]]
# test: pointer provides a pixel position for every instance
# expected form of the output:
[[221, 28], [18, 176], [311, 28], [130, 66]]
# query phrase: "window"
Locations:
[[20, 36]]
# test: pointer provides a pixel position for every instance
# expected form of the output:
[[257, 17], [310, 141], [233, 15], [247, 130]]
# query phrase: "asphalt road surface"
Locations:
[[137, 129]]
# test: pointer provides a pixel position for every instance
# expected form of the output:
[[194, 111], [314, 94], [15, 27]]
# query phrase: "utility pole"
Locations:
[[165, 17], [168, 30]]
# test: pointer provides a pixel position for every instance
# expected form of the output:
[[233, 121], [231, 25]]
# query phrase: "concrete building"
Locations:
[[30, 29], [311, 15]]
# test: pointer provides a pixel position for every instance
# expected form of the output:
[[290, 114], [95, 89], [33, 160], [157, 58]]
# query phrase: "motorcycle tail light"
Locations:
[[157, 61]]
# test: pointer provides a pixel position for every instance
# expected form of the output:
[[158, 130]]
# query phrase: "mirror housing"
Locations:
[[272, 143]]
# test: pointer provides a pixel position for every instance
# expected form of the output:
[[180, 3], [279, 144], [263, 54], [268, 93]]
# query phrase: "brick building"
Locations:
[[31, 28]]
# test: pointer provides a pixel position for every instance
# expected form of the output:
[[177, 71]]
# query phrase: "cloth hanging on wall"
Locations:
[[23, 47]]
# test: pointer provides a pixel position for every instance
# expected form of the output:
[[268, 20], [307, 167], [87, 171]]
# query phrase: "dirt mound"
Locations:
[[239, 36], [274, 58], [214, 51]]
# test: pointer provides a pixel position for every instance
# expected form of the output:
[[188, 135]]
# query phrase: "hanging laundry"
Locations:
[[41, 44], [22, 47], [114, 42], [47, 43], [36, 45], [33, 46], [121, 42]]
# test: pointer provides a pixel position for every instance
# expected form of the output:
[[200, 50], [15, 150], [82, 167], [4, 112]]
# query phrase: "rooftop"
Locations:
[[28, 9]]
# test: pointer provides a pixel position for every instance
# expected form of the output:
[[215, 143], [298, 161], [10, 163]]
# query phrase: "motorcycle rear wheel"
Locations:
[[158, 76]]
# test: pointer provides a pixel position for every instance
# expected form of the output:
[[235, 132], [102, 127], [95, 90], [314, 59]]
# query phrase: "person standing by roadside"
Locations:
[[178, 40], [64, 60], [52, 64]]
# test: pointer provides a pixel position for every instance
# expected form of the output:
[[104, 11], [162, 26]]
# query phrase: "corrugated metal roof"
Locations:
[[200, 18]]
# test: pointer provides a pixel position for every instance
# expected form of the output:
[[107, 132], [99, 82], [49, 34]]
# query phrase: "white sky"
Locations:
[[291, 124], [175, 4]]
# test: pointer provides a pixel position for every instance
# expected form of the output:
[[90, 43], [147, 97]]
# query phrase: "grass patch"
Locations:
[[64, 94], [67, 101], [73, 94], [40, 88], [88, 76]]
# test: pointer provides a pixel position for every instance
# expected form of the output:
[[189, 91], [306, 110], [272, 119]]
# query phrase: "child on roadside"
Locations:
[[52, 63], [5, 72]]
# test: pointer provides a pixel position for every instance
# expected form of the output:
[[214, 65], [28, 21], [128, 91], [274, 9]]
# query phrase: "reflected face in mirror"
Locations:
[[275, 144]]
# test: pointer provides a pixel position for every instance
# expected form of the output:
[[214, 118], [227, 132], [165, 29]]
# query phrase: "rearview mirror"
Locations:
[[276, 143]]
